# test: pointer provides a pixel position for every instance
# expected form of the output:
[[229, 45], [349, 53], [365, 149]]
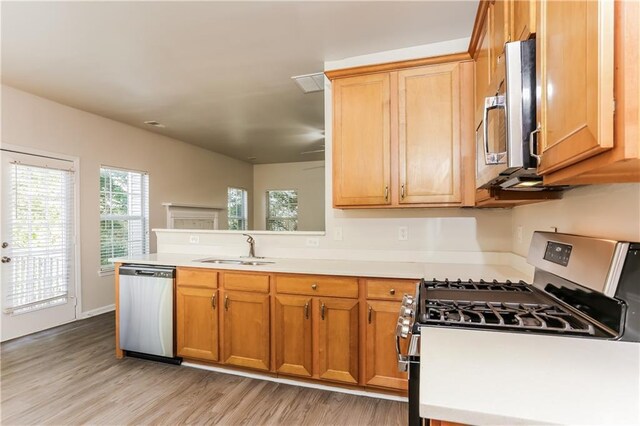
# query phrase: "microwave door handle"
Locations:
[[532, 151], [492, 102]]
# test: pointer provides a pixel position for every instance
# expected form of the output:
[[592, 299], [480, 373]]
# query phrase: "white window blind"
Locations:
[[41, 228], [124, 214], [282, 210], [237, 208]]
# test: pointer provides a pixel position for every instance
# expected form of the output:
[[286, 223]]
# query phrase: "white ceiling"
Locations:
[[217, 74]]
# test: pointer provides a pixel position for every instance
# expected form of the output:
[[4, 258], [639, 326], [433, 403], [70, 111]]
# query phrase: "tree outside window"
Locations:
[[282, 210], [237, 208]]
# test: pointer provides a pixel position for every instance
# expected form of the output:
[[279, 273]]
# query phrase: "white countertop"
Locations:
[[340, 267], [487, 377]]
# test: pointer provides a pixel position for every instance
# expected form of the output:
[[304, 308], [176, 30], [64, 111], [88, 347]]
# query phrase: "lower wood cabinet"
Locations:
[[246, 336], [338, 339], [293, 335], [197, 323], [381, 366]]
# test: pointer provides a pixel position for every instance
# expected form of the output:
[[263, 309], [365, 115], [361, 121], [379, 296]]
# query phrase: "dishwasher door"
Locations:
[[146, 309]]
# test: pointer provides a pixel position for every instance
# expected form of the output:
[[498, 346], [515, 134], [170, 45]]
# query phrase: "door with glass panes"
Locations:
[[38, 243]]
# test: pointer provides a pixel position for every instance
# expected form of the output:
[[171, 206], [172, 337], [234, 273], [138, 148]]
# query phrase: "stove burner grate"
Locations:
[[494, 285], [517, 316]]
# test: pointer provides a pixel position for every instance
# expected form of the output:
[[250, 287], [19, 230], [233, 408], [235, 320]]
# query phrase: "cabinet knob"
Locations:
[[314, 286], [392, 291]]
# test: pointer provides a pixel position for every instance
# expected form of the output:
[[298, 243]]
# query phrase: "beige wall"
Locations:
[[178, 172], [305, 177], [607, 211]]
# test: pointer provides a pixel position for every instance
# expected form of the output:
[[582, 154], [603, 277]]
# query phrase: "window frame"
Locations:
[[269, 218], [109, 268], [245, 210]]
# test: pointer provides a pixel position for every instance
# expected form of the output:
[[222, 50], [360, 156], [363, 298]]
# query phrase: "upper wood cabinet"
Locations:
[[482, 72], [523, 15], [499, 21], [397, 136], [362, 140], [574, 48], [429, 135]]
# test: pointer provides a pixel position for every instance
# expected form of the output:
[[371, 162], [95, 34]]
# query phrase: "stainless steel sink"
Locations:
[[245, 262]]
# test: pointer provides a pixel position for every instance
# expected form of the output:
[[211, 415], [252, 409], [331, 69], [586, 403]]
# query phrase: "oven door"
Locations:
[[491, 141]]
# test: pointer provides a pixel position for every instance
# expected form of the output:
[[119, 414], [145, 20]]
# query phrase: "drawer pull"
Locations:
[[322, 311], [314, 286], [306, 310], [392, 291], [370, 311], [226, 302], [213, 301]]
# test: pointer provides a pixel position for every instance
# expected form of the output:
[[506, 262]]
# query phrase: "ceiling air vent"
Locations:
[[310, 83], [154, 123]]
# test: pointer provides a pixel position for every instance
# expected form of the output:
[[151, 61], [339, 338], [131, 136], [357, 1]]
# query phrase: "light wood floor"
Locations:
[[69, 375]]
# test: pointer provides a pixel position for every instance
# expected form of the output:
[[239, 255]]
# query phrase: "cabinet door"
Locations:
[[381, 362], [197, 323], [499, 33], [246, 329], [338, 339], [429, 134], [524, 18], [361, 140], [293, 335], [574, 46], [482, 73]]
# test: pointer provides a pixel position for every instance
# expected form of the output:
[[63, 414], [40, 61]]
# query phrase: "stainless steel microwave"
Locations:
[[506, 155]]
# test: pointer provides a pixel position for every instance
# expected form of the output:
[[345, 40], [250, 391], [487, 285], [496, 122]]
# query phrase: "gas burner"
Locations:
[[516, 316], [478, 285]]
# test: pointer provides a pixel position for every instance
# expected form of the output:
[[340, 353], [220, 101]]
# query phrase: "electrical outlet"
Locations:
[[519, 234], [403, 233], [194, 239], [337, 233], [313, 242]]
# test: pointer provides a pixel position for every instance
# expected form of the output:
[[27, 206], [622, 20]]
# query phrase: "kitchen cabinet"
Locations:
[[197, 313], [362, 140], [498, 16], [588, 155], [482, 72], [293, 335], [384, 298], [523, 15], [337, 339], [397, 136], [246, 337], [574, 69]]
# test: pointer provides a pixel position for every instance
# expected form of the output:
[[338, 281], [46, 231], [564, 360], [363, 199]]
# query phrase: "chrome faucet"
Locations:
[[252, 245]]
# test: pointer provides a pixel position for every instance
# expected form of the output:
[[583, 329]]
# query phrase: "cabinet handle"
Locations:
[[306, 310], [538, 157], [386, 193], [392, 291], [370, 311], [322, 311], [314, 286], [402, 191], [213, 301], [226, 302]]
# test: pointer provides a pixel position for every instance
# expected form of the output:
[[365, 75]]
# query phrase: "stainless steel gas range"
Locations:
[[583, 288]]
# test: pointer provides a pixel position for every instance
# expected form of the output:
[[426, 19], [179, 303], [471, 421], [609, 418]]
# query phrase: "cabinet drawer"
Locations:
[[246, 282], [390, 289], [317, 285], [197, 277]]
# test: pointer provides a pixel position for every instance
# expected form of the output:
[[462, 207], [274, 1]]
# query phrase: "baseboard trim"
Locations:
[[97, 311], [296, 383]]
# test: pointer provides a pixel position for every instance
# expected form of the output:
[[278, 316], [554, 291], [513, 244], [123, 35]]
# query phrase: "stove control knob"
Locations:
[[406, 312], [407, 300], [402, 330]]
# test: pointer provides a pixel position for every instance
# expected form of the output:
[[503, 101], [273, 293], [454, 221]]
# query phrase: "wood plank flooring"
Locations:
[[69, 376]]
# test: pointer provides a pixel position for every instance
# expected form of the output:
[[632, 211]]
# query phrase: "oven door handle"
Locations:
[[403, 360], [492, 102]]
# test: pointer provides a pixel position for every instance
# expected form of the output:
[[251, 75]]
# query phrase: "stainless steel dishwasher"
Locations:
[[146, 311]]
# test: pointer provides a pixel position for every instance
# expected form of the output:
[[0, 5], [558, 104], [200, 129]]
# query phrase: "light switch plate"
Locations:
[[403, 233], [194, 239], [519, 234]]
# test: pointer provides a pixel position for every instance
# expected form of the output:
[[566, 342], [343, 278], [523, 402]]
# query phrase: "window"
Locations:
[[124, 214], [40, 227], [237, 208], [282, 210]]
